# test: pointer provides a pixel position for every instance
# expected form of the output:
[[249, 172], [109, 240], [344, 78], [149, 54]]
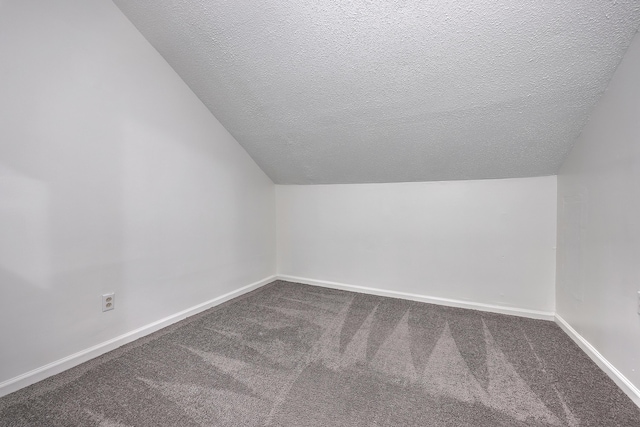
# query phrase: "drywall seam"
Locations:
[[513, 311], [625, 385], [39, 374]]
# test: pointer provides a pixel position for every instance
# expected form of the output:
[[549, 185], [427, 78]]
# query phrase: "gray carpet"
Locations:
[[296, 355]]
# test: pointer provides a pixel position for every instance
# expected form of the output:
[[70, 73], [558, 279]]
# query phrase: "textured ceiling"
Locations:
[[330, 91]]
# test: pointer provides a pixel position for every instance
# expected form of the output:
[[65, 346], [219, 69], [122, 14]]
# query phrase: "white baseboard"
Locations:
[[522, 312], [39, 374], [621, 381]]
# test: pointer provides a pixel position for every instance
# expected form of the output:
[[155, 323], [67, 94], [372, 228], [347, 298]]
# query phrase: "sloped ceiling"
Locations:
[[337, 91]]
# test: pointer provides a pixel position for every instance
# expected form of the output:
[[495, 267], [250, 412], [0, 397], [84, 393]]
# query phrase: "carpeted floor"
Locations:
[[296, 355]]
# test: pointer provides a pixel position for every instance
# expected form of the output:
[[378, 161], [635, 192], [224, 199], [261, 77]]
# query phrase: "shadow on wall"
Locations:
[[113, 177], [62, 224], [130, 207]]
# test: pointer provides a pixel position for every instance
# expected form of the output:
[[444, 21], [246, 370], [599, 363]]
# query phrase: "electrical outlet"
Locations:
[[108, 301]]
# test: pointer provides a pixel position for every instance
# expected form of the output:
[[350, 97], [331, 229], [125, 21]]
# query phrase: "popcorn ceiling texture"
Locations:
[[384, 91]]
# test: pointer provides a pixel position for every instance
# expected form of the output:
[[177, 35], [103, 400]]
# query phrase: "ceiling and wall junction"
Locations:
[[387, 91]]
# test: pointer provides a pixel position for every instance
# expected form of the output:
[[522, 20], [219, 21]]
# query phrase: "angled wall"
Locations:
[[599, 225], [113, 177], [468, 243]]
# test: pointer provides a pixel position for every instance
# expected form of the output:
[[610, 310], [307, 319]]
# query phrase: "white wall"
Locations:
[[113, 177], [599, 224], [490, 241]]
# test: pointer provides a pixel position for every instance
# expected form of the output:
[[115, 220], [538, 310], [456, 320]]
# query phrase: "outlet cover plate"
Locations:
[[108, 301]]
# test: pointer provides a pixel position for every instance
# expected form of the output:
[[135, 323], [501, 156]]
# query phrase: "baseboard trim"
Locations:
[[522, 312], [53, 368], [621, 381], [43, 372]]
